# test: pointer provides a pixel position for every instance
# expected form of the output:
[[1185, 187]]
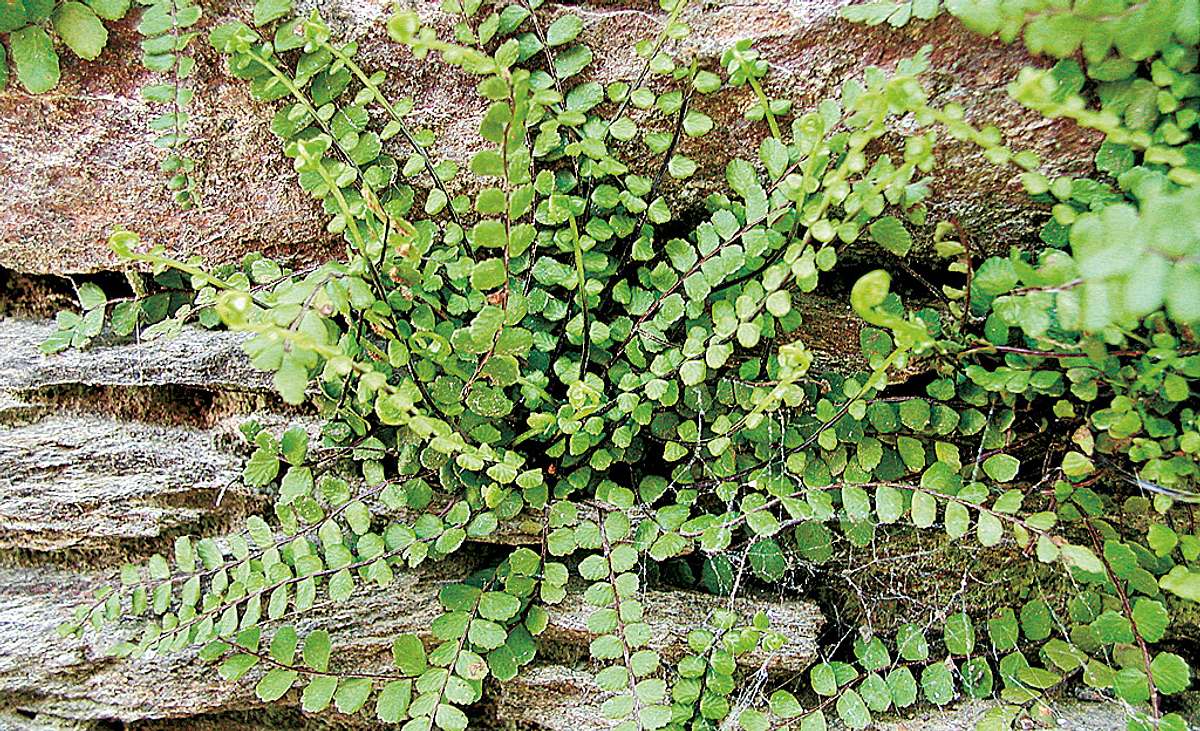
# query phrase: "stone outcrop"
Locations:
[[86, 488], [208, 359], [83, 492], [72, 679], [87, 483], [107, 455]]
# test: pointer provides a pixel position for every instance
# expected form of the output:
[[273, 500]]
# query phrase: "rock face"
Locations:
[[108, 455], [211, 360], [71, 679], [92, 483], [84, 491], [77, 161]]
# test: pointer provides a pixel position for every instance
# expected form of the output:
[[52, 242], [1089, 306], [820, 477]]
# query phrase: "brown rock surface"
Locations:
[[77, 161]]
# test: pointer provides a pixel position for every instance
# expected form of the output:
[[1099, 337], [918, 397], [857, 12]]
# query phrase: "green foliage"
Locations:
[[164, 28], [32, 28], [1134, 30], [895, 13], [551, 339], [160, 306]]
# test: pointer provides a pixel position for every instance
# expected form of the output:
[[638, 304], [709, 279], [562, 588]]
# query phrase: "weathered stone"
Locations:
[[112, 489], [44, 675], [214, 359], [208, 359], [16, 410], [1065, 714], [95, 485], [72, 679], [77, 160], [82, 483], [922, 576], [673, 614], [76, 481], [555, 699]]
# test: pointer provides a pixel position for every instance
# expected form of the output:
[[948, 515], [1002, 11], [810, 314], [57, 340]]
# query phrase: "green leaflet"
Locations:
[[77, 25], [33, 55], [164, 26]]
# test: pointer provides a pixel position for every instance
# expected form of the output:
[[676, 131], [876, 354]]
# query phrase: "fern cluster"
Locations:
[[542, 342], [164, 26], [32, 28]]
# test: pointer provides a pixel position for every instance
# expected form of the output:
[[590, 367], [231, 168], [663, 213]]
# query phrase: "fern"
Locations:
[[164, 27], [36, 29], [559, 348]]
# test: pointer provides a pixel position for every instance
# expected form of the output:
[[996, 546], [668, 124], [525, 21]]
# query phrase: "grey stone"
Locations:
[[1062, 714], [208, 359], [86, 483], [565, 699], [73, 679]]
